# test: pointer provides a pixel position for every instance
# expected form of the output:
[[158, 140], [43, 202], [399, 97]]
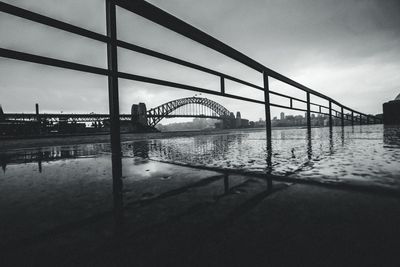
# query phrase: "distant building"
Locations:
[[391, 112], [238, 120], [244, 123], [282, 115], [139, 114], [1, 113]]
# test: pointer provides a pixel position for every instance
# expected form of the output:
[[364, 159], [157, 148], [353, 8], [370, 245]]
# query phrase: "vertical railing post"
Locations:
[[309, 143], [352, 118], [226, 183], [330, 115], [222, 85], [308, 112], [267, 120], [360, 119], [342, 116], [113, 97], [39, 122]]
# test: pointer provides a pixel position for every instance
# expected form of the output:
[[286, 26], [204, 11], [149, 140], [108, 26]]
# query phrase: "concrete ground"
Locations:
[[219, 220]]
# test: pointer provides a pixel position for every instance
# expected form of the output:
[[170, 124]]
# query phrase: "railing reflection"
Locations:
[[309, 145], [118, 204], [331, 143], [391, 136], [226, 182], [50, 154]]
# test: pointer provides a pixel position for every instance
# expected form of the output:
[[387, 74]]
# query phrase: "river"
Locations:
[[359, 154], [42, 187]]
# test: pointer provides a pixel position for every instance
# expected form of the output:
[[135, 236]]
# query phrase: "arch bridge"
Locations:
[[199, 107], [189, 107]]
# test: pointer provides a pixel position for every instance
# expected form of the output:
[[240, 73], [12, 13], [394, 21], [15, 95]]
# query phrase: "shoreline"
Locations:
[[48, 141], [21, 143], [9, 144]]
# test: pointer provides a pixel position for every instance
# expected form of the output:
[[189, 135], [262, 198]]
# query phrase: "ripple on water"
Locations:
[[361, 153]]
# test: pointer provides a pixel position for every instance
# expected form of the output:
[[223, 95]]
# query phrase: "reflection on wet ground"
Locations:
[[366, 154], [60, 189]]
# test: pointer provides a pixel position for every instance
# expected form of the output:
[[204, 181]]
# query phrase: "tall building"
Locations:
[[1, 113], [139, 113], [391, 112], [282, 115], [238, 120]]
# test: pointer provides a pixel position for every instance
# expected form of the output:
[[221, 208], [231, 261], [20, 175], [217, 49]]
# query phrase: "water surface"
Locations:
[[359, 154], [43, 188]]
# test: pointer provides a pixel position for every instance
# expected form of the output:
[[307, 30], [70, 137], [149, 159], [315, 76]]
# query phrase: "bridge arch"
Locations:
[[155, 115]]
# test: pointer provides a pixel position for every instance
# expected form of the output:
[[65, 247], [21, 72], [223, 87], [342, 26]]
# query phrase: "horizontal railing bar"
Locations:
[[356, 114], [163, 18], [183, 116], [162, 56], [139, 78], [296, 99], [171, 22], [32, 16], [61, 115], [318, 105], [286, 107], [159, 55], [150, 12], [12, 54], [34, 116], [286, 96], [304, 110], [84, 115], [7, 53], [243, 82], [244, 98], [322, 106], [284, 79]]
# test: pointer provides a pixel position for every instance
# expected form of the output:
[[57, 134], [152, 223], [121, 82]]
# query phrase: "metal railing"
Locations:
[[158, 16]]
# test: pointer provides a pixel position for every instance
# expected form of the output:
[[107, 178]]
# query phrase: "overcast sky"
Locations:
[[346, 49]]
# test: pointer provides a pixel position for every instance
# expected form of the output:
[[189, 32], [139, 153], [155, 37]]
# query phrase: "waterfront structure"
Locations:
[[238, 119], [140, 119], [1, 113], [391, 112]]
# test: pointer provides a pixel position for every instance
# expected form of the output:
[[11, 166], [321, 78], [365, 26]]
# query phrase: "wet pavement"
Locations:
[[217, 219], [57, 202]]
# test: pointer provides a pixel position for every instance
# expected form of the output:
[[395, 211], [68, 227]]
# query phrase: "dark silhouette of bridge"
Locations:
[[189, 107]]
